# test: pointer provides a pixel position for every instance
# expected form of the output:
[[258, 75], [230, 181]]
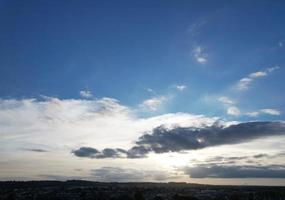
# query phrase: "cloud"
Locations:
[[252, 114], [67, 124], [234, 111], [116, 174], [258, 74], [153, 103], [53, 123], [228, 104], [199, 55], [223, 171], [245, 82], [89, 152], [270, 111], [85, 152], [104, 124], [225, 100], [86, 94], [234, 159], [36, 150], [163, 140], [152, 91], [262, 155], [225, 160], [180, 87]]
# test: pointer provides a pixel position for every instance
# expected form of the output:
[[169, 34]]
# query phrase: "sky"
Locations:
[[186, 91]]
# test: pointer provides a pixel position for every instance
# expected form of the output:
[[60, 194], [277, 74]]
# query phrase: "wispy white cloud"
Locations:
[[150, 90], [245, 82], [258, 74], [86, 93], [268, 111], [226, 100], [180, 87], [153, 103], [252, 114], [200, 55], [229, 105]]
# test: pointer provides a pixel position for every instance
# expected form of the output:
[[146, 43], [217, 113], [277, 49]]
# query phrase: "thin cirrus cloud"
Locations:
[[156, 102], [268, 111], [164, 140], [244, 83], [226, 100], [85, 94], [200, 55], [35, 150], [252, 114], [153, 104], [229, 105], [257, 158], [180, 87]]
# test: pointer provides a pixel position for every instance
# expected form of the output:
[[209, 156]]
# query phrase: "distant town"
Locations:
[[87, 190]]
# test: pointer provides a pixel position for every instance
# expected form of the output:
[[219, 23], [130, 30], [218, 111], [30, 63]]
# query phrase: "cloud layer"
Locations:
[[222, 171], [245, 82], [116, 174], [163, 140]]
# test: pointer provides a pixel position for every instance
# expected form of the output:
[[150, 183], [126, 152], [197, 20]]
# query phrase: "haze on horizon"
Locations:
[[133, 91]]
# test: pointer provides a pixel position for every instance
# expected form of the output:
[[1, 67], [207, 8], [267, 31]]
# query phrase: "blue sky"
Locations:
[[219, 59], [119, 49]]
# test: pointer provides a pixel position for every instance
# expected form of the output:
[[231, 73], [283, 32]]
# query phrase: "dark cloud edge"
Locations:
[[234, 171], [163, 140]]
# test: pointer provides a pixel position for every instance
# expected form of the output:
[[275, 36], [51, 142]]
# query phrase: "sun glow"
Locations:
[[173, 159]]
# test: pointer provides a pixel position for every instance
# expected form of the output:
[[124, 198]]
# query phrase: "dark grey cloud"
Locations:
[[226, 159], [238, 158], [85, 152], [163, 140], [224, 171], [36, 150], [89, 152], [138, 152], [262, 155], [250, 159], [116, 174]]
